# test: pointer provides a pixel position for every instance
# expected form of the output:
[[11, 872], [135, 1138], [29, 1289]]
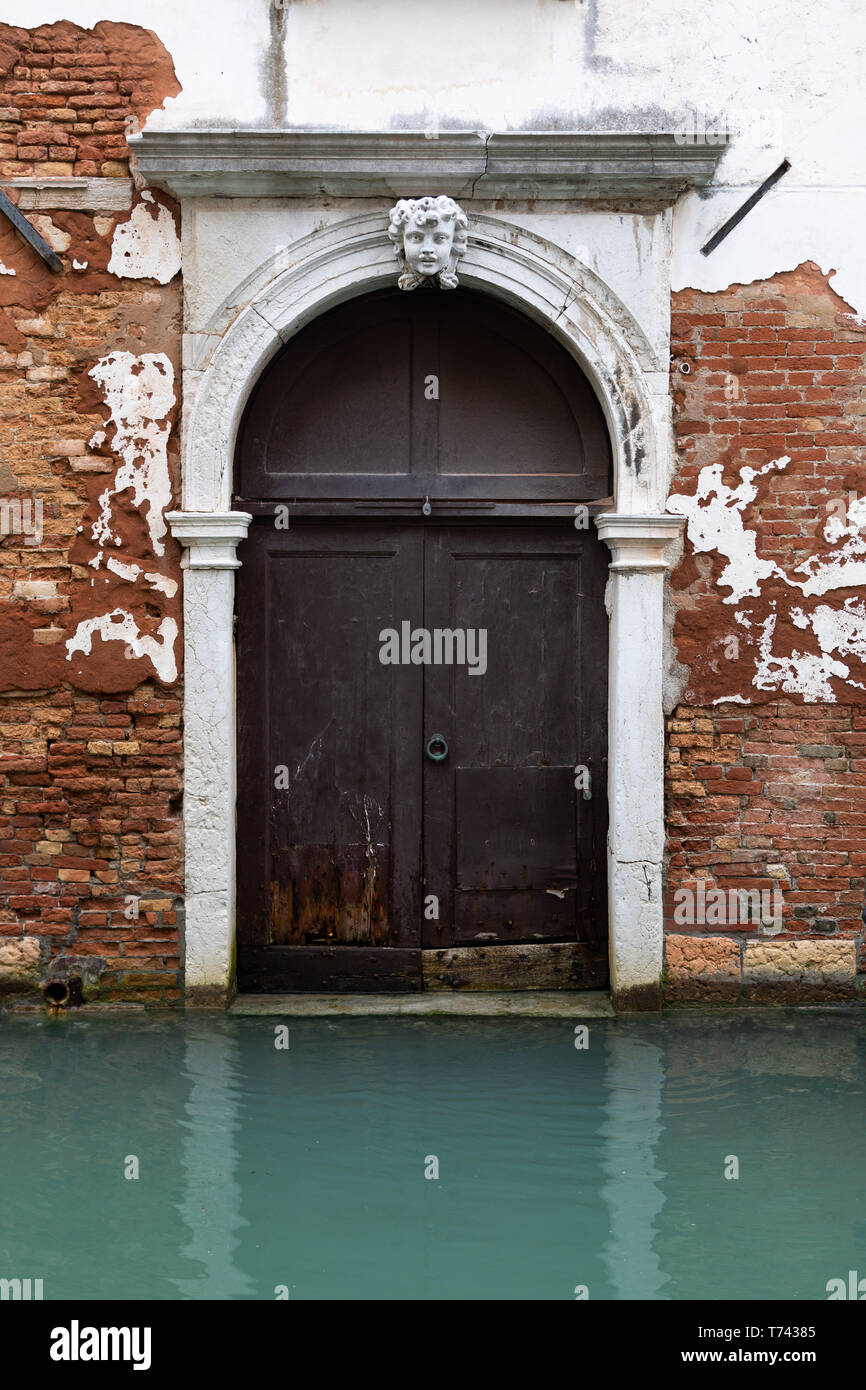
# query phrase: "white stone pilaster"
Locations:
[[636, 835], [210, 540]]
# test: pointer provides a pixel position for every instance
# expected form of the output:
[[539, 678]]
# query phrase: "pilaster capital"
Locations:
[[639, 542], [209, 538]]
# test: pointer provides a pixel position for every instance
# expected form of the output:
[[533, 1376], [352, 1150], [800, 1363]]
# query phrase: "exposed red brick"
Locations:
[[117, 69]]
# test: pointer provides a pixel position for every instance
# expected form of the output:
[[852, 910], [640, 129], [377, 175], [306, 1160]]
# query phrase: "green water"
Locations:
[[558, 1167]]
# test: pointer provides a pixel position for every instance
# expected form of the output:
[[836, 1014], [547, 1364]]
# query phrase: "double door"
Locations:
[[421, 761]]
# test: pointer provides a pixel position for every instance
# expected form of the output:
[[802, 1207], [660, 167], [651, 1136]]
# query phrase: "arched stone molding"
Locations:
[[349, 258], [353, 257]]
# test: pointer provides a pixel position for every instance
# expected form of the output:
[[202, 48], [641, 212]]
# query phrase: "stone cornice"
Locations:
[[622, 170]]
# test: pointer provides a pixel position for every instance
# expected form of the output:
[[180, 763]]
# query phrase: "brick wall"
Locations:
[[68, 96], [90, 841], [768, 798], [770, 794], [90, 751]]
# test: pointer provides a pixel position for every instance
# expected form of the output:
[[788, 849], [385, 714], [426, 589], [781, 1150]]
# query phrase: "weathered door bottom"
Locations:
[[559, 965], [329, 969], [350, 969]]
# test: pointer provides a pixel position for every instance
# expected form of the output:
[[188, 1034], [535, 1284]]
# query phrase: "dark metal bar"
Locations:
[[736, 219], [30, 234]]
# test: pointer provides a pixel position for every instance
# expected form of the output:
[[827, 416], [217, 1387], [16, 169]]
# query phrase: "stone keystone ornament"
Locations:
[[429, 237]]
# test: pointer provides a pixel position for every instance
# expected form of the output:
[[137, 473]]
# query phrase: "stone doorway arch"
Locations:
[[543, 281]]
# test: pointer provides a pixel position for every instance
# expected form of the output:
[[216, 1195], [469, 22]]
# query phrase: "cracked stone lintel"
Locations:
[[646, 169]]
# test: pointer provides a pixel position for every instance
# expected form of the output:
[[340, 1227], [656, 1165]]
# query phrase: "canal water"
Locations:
[[310, 1170]]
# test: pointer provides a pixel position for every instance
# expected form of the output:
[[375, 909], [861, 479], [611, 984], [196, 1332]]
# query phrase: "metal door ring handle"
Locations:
[[437, 748]]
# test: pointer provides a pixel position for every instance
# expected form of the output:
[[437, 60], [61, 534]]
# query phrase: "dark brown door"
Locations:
[[363, 840], [370, 858]]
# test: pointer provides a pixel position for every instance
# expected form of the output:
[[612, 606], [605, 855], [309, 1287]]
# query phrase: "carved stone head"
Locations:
[[429, 236]]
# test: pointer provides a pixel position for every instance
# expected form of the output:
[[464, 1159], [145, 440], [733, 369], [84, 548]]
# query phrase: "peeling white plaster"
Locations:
[[120, 626], [162, 583], [7, 270], [139, 392], [78, 265], [146, 247], [715, 522], [801, 673], [847, 569], [132, 572], [843, 631]]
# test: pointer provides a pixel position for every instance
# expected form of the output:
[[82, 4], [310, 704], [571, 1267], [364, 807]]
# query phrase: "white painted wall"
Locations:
[[789, 72]]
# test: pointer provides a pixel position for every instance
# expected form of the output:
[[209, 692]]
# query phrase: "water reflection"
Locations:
[[559, 1167], [210, 1205], [632, 1127], [783, 1094]]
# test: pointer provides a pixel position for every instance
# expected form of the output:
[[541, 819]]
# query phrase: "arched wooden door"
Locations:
[[422, 656]]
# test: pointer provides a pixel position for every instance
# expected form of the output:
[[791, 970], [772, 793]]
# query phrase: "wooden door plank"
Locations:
[[554, 965], [335, 969]]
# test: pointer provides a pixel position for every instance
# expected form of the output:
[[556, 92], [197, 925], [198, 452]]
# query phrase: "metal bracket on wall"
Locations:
[[735, 220], [30, 234]]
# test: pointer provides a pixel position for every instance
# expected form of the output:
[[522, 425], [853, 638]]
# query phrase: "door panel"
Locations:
[[512, 850], [331, 860], [516, 827]]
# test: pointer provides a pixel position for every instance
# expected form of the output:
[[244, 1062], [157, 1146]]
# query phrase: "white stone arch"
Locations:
[[351, 257]]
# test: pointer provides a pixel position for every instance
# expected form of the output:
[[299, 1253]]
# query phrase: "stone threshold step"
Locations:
[[462, 1004]]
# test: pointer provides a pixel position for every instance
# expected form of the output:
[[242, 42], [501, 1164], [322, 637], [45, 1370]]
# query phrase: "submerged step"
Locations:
[[465, 1004]]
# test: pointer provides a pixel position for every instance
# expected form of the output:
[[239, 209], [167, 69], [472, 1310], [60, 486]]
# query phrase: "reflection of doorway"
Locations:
[[347, 827]]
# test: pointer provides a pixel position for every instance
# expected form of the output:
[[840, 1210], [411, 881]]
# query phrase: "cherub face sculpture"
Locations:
[[429, 235]]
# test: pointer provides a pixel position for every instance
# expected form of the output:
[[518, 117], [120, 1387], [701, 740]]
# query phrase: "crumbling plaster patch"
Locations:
[[146, 246], [788, 227], [58, 239], [120, 626], [139, 394], [714, 523], [807, 674]]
